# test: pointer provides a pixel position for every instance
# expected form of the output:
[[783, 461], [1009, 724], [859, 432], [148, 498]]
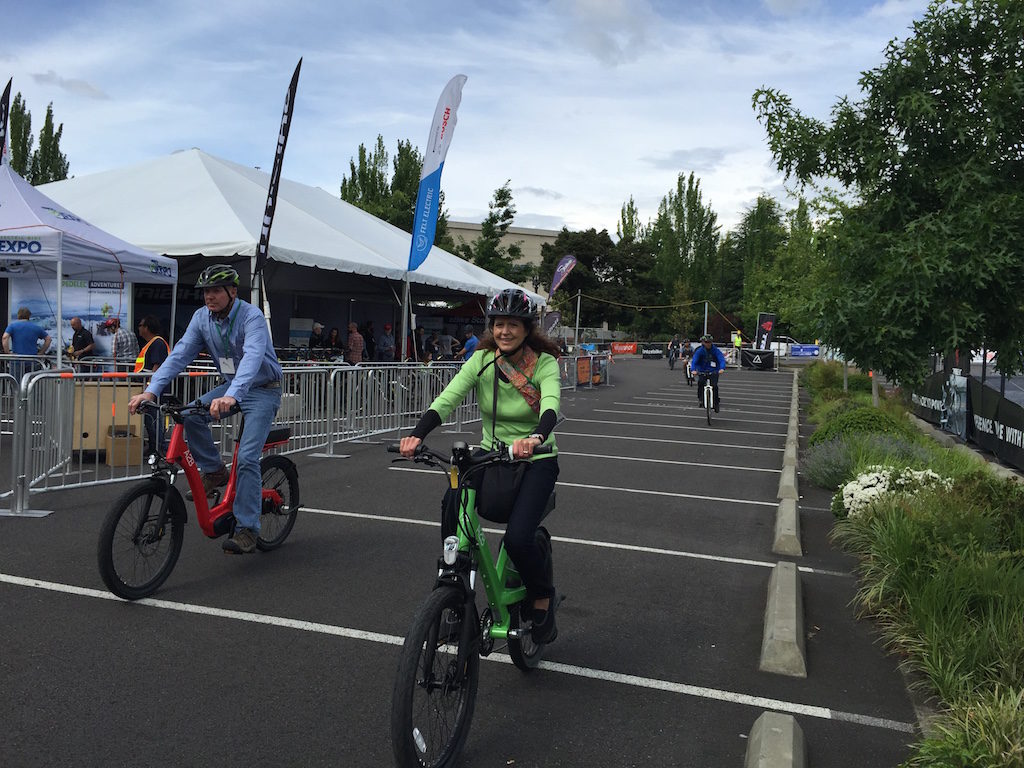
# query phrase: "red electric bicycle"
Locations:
[[142, 535]]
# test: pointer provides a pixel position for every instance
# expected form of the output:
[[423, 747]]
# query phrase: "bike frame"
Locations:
[[178, 455], [494, 572]]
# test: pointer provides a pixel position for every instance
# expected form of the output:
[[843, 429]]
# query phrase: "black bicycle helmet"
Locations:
[[512, 302], [707, 337], [217, 275]]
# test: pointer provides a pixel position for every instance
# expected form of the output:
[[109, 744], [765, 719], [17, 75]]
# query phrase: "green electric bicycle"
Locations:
[[438, 672]]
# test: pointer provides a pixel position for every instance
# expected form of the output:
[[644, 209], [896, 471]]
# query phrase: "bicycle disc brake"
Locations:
[[486, 641]]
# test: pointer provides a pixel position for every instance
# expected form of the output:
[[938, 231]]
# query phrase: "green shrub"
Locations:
[[857, 382], [823, 375], [943, 572], [832, 463], [986, 731], [862, 419], [828, 408]]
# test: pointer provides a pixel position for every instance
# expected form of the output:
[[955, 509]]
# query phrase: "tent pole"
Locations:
[[405, 319], [174, 310], [576, 338], [60, 299]]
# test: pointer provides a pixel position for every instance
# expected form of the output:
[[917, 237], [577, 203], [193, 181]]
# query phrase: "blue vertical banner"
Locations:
[[5, 109], [427, 198]]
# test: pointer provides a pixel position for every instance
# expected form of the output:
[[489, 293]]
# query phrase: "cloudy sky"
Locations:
[[579, 103]]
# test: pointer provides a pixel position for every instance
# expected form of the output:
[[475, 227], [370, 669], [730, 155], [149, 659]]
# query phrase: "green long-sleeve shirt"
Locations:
[[515, 419]]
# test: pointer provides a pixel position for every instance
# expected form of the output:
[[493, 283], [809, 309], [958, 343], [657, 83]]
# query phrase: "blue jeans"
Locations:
[[259, 408]]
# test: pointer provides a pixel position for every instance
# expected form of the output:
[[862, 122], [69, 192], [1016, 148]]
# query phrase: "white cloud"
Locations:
[[581, 103]]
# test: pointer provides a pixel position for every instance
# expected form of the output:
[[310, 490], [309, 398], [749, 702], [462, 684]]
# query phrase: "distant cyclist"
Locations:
[[673, 352], [684, 357], [707, 362], [235, 334]]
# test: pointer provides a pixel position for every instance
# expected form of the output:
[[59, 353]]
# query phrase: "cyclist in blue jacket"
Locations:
[[707, 362]]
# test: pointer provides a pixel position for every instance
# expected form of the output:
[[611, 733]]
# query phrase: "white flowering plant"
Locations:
[[877, 480]]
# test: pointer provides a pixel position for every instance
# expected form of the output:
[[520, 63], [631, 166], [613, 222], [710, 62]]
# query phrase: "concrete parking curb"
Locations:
[[787, 530], [789, 457], [775, 741], [787, 484], [782, 649]]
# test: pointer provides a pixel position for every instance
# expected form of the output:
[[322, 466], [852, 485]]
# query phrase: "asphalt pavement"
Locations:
[[662, 543]]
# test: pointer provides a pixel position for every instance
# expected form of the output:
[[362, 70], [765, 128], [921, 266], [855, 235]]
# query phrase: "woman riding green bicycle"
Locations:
[[516, 378]]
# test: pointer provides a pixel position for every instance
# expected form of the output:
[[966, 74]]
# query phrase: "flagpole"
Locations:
[[576, 342], [405, 319]]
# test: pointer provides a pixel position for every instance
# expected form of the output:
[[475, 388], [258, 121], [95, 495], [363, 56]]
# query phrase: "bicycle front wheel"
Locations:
[[277, 519], [137, 551], [709, 396], [435, 689]]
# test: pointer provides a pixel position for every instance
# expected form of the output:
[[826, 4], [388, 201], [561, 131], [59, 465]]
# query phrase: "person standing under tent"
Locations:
[[21, 338], [126, 345], [154, 352]]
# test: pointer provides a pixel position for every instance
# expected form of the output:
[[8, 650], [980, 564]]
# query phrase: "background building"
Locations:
[[529, 240]]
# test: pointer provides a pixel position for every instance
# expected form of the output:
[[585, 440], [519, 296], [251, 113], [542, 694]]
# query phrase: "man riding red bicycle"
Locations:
[[235, 334]]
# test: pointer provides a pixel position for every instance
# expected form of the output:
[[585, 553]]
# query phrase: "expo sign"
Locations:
[[20, 246]]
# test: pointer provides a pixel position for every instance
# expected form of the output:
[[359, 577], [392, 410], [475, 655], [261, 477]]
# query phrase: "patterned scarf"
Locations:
[[520, 376]]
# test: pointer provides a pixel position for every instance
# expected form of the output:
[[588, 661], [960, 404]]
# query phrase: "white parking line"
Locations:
[[692, 399], [714, 694], [669, 461], [574, 420], [704, 443], [642, 491], [699, 414], [731, 411], [593, 543]]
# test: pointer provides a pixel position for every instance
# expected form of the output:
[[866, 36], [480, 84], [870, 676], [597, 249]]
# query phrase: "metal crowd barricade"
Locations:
[[372, 399], [584, 371], [71, 429]]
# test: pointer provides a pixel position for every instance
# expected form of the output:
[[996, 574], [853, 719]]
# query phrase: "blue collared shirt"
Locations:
[[242, 336]]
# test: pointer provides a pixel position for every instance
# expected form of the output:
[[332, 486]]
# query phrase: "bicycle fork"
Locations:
[[161, 516]]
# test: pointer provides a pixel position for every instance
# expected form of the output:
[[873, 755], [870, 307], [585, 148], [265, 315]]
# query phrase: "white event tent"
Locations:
[[191, 203], [41, 239]]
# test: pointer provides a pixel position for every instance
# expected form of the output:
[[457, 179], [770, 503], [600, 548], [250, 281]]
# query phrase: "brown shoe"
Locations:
[[212, 481], [242, 542]]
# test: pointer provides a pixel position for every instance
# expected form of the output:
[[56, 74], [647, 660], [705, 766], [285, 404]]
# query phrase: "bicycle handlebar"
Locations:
[[174, 409], [504, 454]]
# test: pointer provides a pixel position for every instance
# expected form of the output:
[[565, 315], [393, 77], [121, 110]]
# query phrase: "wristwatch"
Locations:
[[537, 436]]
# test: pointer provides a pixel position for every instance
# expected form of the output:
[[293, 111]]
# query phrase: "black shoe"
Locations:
[[544, 629], [716, 407]]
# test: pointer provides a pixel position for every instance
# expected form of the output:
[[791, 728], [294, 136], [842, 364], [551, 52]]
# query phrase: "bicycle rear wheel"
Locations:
[[276, 520], [435, 689], [136, 552]]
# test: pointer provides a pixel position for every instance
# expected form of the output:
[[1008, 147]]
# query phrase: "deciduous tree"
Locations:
[[928, 251]]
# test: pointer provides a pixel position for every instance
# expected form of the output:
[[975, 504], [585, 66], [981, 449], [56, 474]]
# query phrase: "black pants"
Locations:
[[528, 554]]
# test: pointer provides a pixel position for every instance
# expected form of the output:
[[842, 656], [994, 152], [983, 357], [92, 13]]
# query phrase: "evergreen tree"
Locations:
[[487, 251], [48, 162], [390, 195], [20, 126]]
